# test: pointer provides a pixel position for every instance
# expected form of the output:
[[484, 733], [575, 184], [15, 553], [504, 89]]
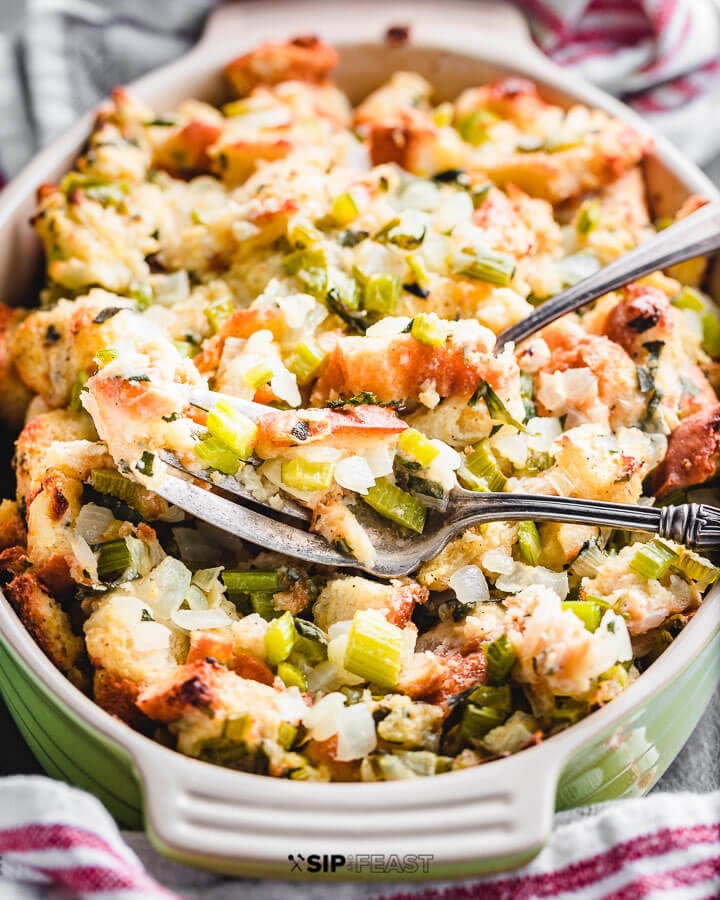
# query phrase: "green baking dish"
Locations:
[[473, 821]]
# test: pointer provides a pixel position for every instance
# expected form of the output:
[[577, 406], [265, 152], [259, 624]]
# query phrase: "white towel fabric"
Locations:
[[58, 843]]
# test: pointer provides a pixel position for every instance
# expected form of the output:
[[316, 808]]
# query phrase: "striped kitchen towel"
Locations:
[[660, 56], [59, 843]]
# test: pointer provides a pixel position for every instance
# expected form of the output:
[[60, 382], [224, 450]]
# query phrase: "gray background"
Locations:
[[697, 768]]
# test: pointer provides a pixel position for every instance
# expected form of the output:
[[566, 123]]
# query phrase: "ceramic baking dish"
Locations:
[[477, 820]]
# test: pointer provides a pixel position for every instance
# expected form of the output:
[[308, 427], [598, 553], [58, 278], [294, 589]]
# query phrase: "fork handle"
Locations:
[[694, 524], [696, 235]]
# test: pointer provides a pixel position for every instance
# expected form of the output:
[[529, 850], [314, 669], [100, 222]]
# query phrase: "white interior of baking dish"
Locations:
[[501, 811]]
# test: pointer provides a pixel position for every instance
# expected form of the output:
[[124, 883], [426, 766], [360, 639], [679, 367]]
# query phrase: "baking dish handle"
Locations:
[[243, 24], [477, 820]]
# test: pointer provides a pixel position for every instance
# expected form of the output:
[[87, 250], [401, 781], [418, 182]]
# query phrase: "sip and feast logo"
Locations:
[[374, 863]]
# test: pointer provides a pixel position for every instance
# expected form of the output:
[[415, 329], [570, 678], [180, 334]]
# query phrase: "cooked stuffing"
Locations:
[[350, 269]]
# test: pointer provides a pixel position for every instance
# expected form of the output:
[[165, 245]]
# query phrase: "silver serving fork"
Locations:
[[399, 551], [696, 235]]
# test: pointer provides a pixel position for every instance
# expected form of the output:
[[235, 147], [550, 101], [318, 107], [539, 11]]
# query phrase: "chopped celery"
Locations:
[[382, 292], [232, 428], [568, 710], [527, 392], [303, 236], [417, 270], [218, 312], [696, 567], [290, 674], [711, 334], [217, 455], [262, 604], [616, 673], [306, 361], [529, 542], [512, 735], [258, 375], [499, 698], [393, 233], [374, 648], [689, 298], [495, 268], [482, 464], [251, 580], [310, 267], [109, 481], [114, 558], [310, 630], [236, 729], [428, 329], [499, 659], [653, 560], [393, 503], [344, 209], [589, 560], [588, 218], [588, 612], [478, 720], [77, 389], [311, 651], [473, 127], [497, 410], [106, 355], [414, 444], [442, 115], [287, 732], [303, 475], [280, 638]]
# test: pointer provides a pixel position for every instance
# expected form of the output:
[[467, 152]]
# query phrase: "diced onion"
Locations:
[[323, 677], [195, 598], [321, 720], [336, 655], [542, 432], [610, 644], [197, 619], [418, 194], [522, 576], [454, 209], [284, 385], [356, 733], [512, 444], [298, 307], [388, 326], [498, 562], [469, 585], [92, 522], [355, 474], [380, 459], [84, 555], [172, 288], [339, 628], [166, 586]]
